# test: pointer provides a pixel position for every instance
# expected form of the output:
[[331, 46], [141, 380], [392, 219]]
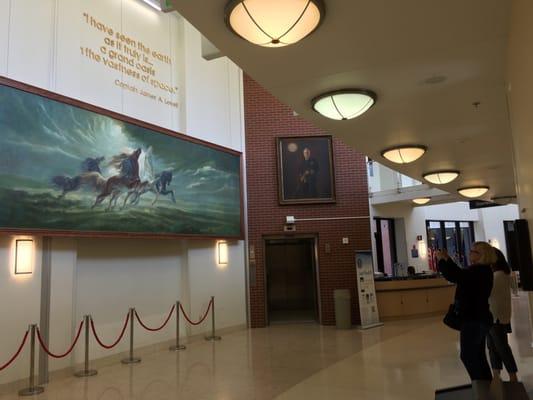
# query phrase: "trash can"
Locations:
[[343, 314]]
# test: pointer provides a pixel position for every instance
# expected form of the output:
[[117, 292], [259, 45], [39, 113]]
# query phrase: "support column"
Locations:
[[520, 98]]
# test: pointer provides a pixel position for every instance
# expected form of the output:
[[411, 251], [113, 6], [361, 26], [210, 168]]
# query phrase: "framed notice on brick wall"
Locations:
[[305, 170]]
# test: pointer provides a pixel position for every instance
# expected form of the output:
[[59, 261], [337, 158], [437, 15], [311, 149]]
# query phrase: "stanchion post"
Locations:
[[131, 359], [86, 371], [32, 389], [213, 336], [178, 346]]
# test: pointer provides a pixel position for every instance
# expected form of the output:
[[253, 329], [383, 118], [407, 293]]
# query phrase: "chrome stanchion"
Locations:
[[213, 336], [32, 389], [178, 346], [86, 371], [131, 359]]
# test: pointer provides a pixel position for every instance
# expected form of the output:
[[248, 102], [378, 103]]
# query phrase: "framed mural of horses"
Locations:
[[72, 169]]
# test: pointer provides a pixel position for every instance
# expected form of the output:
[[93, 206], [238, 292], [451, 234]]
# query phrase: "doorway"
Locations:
[[385, 245], [511, 244], [291, 280]]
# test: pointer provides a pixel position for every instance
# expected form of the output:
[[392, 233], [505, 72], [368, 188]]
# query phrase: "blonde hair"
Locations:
[[487, 255]]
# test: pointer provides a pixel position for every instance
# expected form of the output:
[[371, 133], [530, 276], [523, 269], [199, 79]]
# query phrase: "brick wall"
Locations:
[[266, 118]]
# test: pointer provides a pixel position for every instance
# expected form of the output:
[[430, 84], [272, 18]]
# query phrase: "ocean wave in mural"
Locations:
[[65, 168]]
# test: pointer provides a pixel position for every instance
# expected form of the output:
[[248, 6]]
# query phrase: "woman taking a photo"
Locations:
[[500, 306], [474, 286]]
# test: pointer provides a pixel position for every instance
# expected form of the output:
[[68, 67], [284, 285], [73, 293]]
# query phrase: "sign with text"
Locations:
[[139, 64], [368, 306]]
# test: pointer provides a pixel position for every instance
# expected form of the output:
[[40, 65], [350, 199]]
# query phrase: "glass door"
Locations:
[[385, 245], [467, 239]]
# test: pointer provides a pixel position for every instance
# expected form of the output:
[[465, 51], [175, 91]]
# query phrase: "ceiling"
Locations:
[[392, 48]]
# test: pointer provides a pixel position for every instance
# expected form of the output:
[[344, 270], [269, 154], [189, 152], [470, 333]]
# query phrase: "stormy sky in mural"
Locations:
[[66, 168]]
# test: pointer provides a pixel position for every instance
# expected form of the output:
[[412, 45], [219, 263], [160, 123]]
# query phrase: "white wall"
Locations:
[[19, 306], [493, 224], [488, 222], [40, 45]]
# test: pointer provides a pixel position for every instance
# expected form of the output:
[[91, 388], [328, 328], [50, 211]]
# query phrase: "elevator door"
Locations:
[[291, 283]]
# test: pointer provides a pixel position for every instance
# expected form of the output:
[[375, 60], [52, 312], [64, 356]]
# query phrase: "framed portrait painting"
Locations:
[[305, 170]]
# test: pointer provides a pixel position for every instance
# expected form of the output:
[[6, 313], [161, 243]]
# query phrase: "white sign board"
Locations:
[[368, 307]]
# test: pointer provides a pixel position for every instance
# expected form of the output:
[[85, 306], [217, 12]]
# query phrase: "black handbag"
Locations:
[[452, 318]]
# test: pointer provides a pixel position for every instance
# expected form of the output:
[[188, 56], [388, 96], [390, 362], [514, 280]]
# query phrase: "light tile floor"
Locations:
[[402, 360]]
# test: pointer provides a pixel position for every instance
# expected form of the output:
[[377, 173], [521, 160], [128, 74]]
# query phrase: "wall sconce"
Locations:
[[23, 256], [222, 250]]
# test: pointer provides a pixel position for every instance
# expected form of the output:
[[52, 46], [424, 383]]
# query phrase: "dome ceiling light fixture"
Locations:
[[441, 177], [344, 104], [422, 200], [404, 154], [473, 191], [274, 23]]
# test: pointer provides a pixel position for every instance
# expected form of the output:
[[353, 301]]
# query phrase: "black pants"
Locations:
[[473, 355], [499, 349]]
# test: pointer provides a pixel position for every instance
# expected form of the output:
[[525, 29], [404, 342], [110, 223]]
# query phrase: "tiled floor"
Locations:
[[402, 360]]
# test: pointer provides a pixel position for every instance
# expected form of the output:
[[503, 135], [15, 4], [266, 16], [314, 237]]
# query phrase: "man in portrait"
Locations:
[[307, 175]]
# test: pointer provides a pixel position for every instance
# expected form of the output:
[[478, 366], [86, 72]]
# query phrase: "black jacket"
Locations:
[[474, 285]]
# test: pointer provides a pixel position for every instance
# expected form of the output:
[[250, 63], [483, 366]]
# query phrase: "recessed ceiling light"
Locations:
[[441, 177], [404, 154], [473, 191], [344, 104], [422, 200], [274, 23]]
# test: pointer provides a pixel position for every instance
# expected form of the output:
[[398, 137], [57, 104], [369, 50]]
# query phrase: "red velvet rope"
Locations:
[[119, 337], [7, 364], [159, 328], [47, 351], [201, 319]]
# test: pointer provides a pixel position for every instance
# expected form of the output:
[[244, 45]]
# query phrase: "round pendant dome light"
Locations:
[[473, 191], [274, 23], [404, 154], [344, 104], [441, 177], [422, 200]]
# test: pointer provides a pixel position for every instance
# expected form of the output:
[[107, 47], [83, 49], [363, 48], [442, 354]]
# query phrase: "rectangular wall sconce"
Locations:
[[222, 253], [23, 256]]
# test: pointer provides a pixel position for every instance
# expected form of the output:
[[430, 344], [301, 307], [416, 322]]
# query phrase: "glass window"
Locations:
[[370, 164], [435, 238], [450, 230], [454, 236], [467, 239]]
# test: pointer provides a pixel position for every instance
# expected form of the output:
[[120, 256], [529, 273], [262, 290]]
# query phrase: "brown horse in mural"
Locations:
[[67, 184], [127, 179]]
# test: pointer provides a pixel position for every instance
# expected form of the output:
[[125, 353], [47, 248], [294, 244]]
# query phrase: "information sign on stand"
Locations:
[[368, 306]]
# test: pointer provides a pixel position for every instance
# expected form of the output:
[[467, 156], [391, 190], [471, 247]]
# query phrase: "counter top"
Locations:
[[405, 278], [411, 284]]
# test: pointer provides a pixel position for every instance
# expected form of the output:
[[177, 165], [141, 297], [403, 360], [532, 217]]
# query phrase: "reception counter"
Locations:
[[411, 298]]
